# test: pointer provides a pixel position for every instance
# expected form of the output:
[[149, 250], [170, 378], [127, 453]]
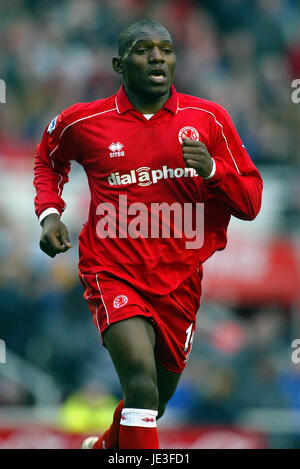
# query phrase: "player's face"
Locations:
[[149, 63]]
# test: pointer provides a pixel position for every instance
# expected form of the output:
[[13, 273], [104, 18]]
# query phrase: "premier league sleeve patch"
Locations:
[[52, 125]]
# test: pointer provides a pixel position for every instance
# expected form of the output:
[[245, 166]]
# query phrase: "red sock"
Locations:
[[138, 429], [138, 438], [110, 439]]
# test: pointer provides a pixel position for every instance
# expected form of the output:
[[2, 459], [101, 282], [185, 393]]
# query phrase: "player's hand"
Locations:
[[195, 155], [54, 237]]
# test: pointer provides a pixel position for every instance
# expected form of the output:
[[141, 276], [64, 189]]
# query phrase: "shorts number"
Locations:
[[189, 338]]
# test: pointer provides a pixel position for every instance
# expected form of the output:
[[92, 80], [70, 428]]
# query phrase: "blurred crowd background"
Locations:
[[243, 54]]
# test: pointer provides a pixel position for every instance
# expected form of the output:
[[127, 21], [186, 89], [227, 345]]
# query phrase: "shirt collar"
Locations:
[[123, 104]]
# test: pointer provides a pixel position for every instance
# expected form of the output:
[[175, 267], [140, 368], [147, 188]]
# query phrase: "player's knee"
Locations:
[[141, 392]]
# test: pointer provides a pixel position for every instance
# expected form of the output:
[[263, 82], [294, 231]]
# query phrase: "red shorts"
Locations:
[[112, 299]]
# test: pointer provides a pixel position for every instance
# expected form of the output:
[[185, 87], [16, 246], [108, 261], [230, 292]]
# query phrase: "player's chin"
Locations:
[[157, 90]]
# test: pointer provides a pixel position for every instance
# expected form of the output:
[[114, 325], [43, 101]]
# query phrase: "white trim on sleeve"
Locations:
[[47, 212], [213, 171]]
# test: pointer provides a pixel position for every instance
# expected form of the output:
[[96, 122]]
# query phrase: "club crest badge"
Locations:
[[188, 132], [120, 300]]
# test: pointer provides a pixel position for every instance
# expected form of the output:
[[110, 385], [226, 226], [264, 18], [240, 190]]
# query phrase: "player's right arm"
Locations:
[[52, 166]]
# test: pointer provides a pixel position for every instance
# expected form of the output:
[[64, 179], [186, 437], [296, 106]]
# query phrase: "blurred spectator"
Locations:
[[240, 53], [88, 410]]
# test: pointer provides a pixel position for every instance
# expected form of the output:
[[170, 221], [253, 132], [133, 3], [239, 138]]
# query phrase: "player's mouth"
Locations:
[[158, 76]]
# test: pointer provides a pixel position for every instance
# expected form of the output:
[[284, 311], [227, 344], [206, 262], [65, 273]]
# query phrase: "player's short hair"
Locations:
[[128, 34]]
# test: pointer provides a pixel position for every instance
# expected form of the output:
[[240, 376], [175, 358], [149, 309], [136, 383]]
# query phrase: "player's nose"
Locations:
[[156, 55]]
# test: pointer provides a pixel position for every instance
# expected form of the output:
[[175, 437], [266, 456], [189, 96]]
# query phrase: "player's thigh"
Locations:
[[130, 343]]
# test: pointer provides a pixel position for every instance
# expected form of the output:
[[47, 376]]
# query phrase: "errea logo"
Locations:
[[115, 149]]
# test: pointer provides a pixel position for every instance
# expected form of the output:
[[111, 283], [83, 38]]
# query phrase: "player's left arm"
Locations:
[[227, 169]]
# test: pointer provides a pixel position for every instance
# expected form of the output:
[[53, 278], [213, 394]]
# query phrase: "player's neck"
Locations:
[[145, 104]]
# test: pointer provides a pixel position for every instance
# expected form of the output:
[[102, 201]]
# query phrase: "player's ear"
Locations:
[[117, 64]]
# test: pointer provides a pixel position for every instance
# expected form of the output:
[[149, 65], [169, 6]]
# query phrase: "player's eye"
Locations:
[[140, 51], [167, 50]]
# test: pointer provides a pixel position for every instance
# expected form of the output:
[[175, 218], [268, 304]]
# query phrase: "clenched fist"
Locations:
[[54, 237], [195, 155]]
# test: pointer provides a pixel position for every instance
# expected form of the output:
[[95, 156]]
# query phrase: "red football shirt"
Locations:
[[132, 164]]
